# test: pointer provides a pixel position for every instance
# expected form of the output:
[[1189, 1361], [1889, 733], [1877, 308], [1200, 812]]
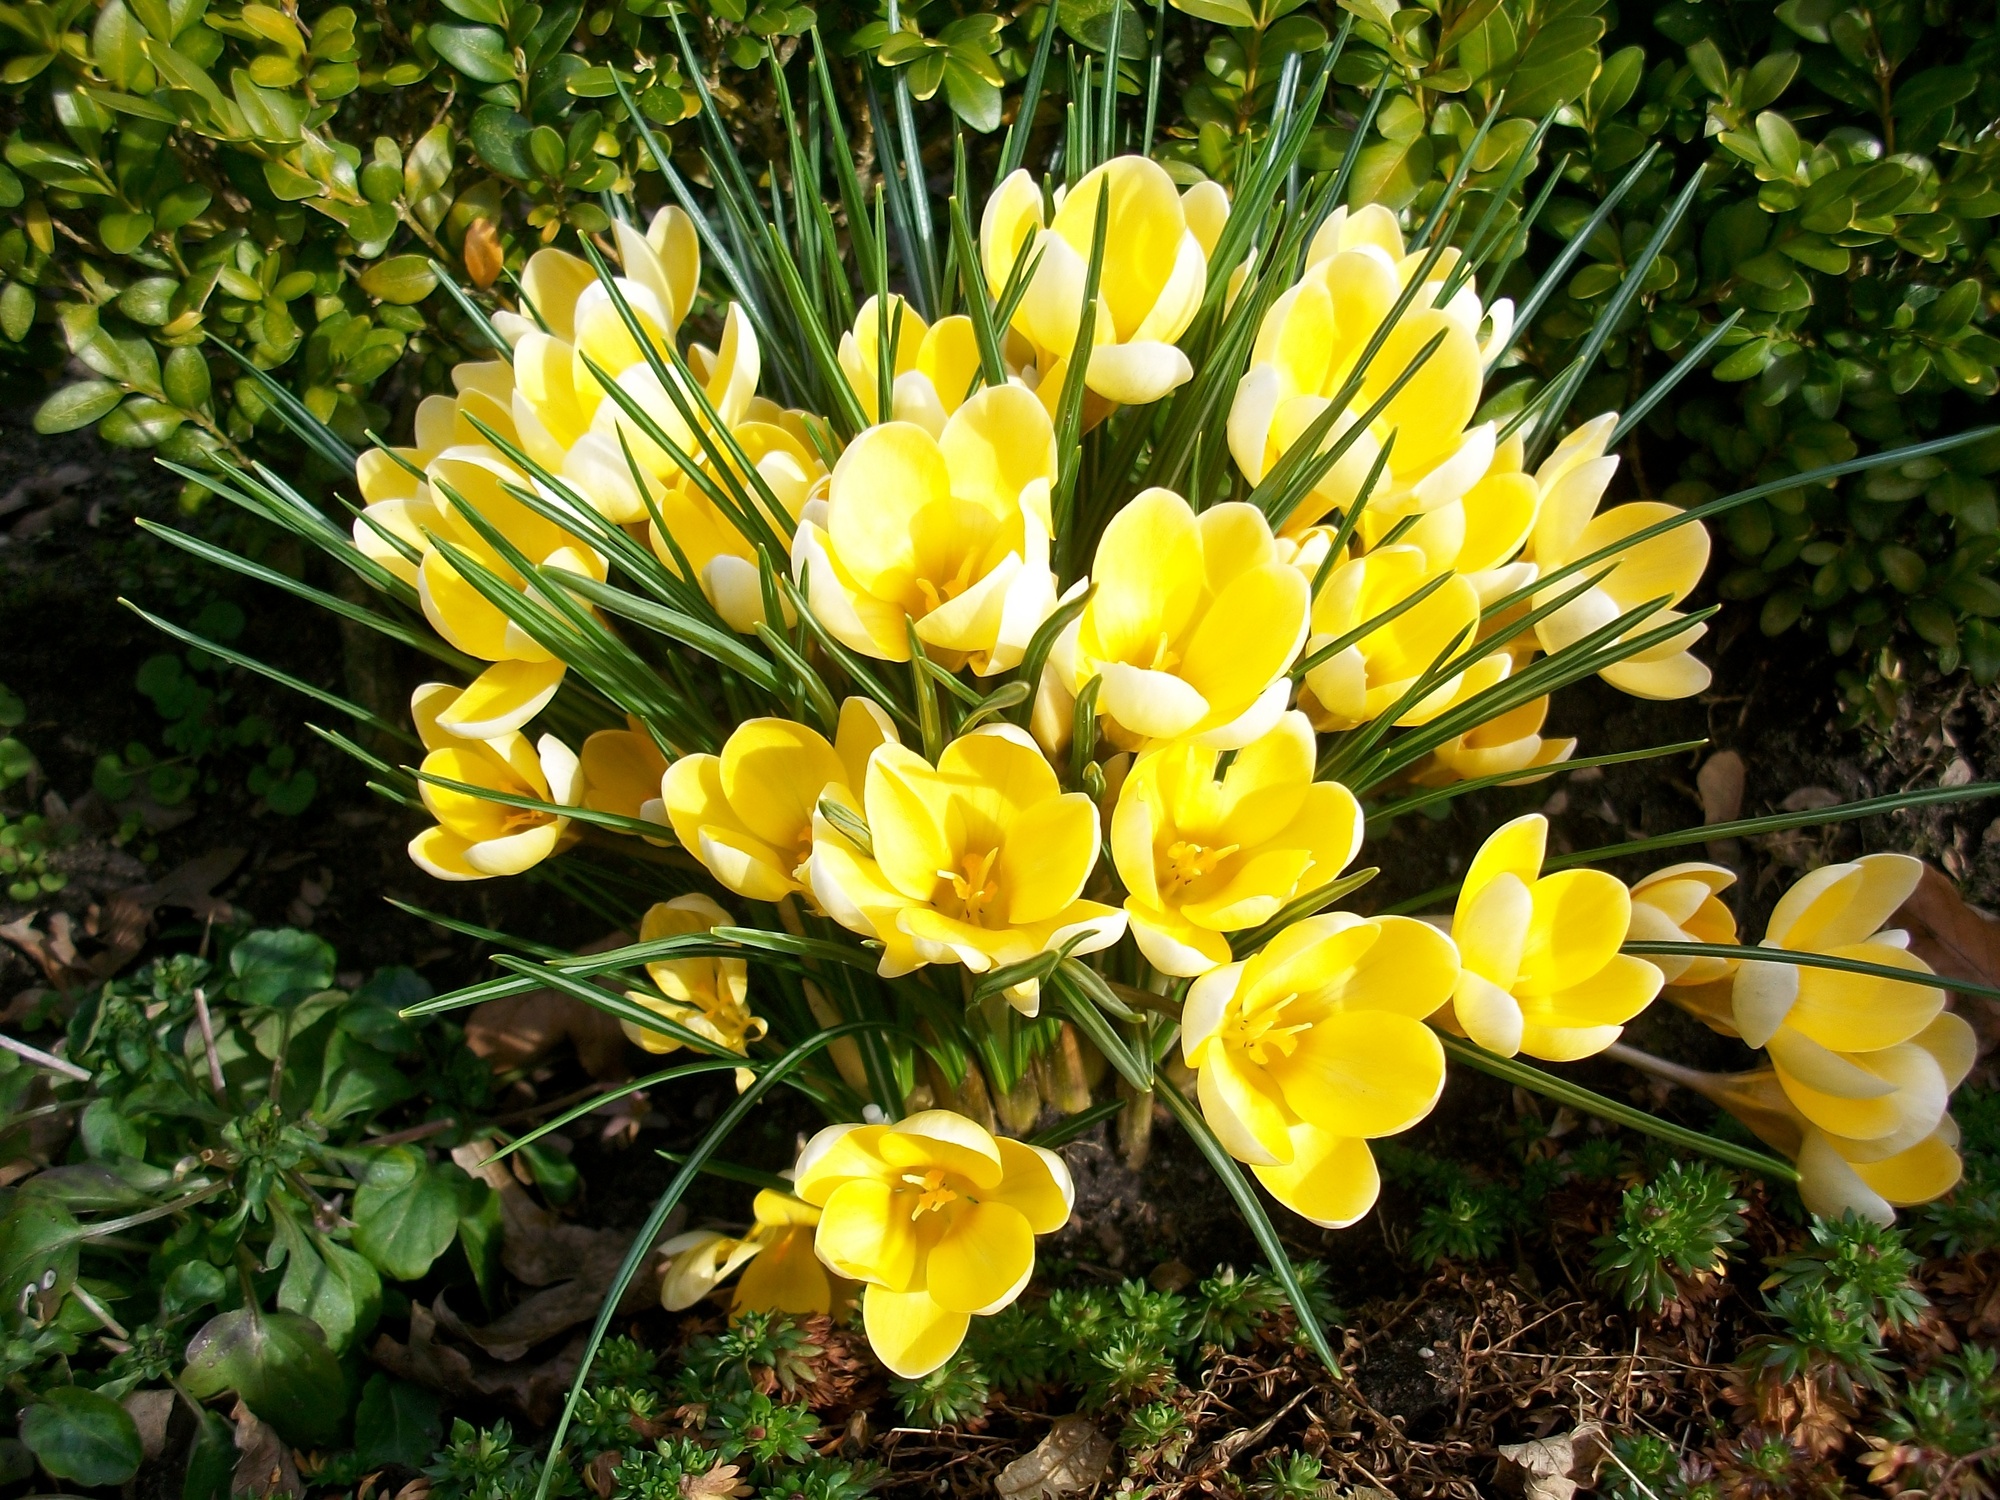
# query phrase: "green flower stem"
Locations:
[[1562, 1091], [1252, 1209]]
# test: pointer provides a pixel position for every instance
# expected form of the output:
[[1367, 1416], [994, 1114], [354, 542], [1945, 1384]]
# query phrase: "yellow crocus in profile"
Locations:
[[937, 1218], [1869, 1061], [1541, 970], [747, 814], [1368, 677], [1191, 626], [621, 773], [1155, 273], [708, 996], [1681, 904], [1204, 857], [1914, 1163], [1316, 1045], [980, 860], [1567, 527], [699, 536], [783, 1274], [946, 534], [476, 838], [1512, 741], [1311, 343], [937, 364]]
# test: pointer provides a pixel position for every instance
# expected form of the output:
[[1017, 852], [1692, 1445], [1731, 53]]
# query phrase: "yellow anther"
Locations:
[[1190, 861], [1258, 1033], [973, 883], [932, 1194]]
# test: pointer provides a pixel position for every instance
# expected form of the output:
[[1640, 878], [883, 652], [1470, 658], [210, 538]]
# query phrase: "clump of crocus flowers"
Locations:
[[941, 778]]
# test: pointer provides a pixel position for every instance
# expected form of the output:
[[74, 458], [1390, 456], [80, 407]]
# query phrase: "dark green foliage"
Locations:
[[946, 1397], [1678, 1226], [1949, 1413], [1643, 1466], [1867, 1259], [1287, 1476]]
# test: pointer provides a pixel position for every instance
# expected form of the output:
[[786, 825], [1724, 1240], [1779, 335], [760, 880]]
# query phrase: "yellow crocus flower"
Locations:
[[1870, 1062], [1155, 273], [1567, 526], [1310, 344], [1511, 742], [783, 1274], [1191, 628], [1542, 973], [979, 861], [621, 773], [709, 996], [748, 813], [1367, 678], [1314, 1046], [1203, 857], [723, 559], [947, 533], [1915, 1163], [474, 838], [524, 676], [937, 364], [937, 1218], [1681, 904]]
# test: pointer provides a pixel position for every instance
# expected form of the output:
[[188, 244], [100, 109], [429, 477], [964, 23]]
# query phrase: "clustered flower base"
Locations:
[[941, 696]]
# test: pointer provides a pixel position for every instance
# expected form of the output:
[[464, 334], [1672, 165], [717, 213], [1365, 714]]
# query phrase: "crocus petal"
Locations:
[[909, 1332], [1331, 1180], [982, 1260]]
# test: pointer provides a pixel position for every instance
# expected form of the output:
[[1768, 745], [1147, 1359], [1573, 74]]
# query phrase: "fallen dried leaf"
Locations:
[[723, 1479], [150, 1412], [1074, 1456], [266, 1467], [521, 1029], [536, 1391], [1552, 1468], [1811, 799], [1720, 781]]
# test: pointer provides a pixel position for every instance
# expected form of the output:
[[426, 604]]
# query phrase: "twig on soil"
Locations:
[[43, 1059]]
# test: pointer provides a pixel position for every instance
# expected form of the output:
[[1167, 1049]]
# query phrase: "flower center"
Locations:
[[1165, 659], [1259, 1034], [1188, 861], [973, 885], [935, 594], [932, 1194]]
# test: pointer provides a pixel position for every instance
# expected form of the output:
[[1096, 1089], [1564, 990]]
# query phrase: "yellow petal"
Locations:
[[1149, 573], [441, 853], [1580, 920], [1928, 1170], [1491, 928], [909, 1332], [787, 1277], [1241, 1104], [1048, 855], [1490, 1016], [943, 1138], [982, 1260], [1330, 1180], [1361, 1073], [503, 697], [864, 1236], [1859, 1012], [773, 772], [1035, 1181]]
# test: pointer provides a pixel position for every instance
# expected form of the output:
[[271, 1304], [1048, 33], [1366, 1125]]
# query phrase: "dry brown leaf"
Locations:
[[723, 1479], [483, 258], [1720, 781], [265, 1468], [150, 1412], [1552, 1468], [522, 1029], [535, 1391], [1074, 1456]]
